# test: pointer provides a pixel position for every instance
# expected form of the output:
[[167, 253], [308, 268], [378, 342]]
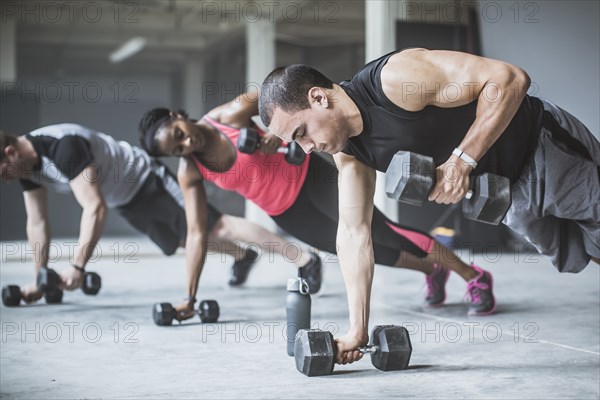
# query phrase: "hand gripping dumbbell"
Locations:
[[48, 280], [11, 296], [249, 141], [315, 350], [410, 178], [164, 313]]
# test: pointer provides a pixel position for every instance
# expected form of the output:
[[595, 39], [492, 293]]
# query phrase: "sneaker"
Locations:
[[479, 292], [240, 269], [436, 286], [312, 273]]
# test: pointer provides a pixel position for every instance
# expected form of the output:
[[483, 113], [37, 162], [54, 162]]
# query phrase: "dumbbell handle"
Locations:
[[369, 349], [281, 149], [469, 194]]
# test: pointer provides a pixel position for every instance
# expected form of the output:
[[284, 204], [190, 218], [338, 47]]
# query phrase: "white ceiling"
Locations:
[[80, 34]]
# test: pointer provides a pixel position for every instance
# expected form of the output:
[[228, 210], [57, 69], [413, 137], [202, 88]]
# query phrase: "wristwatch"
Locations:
[[465, 157]]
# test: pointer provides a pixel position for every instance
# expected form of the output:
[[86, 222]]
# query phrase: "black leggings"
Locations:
[[313, 218]]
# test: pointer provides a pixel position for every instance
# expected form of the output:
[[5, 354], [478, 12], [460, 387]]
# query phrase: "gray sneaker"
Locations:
[[312, 273], [436, 286], [479, 292]]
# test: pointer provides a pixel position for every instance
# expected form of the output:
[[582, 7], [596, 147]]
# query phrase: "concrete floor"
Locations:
[[542, 343]]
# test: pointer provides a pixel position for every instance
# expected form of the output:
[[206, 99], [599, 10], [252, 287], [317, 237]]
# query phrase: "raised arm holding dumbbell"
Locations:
[[487, 125], [250, 141], [411, 178]]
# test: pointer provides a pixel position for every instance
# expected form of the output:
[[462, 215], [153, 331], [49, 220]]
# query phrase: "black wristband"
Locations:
[[78, 268]]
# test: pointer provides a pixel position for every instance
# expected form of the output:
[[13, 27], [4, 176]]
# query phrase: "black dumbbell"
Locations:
[[410, 178], [315, 350], [92, 283], [164, 313], [249, 141], [48, 281], [11, 295]]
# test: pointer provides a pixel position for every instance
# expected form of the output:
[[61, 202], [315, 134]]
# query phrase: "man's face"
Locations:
[[11, 166], [179, 138], [318, 128]]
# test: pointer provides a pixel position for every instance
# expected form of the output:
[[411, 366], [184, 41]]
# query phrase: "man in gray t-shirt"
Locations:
[[104, 174]]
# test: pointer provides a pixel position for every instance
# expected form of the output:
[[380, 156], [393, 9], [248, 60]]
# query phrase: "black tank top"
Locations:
[[433, 131]]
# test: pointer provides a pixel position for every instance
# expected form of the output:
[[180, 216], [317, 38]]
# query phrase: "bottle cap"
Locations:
[[297, 285]]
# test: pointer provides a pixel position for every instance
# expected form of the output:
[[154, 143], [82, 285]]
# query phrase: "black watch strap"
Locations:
[[78, 268]]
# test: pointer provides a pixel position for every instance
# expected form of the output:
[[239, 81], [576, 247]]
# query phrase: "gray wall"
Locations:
[[110, 103], [557, 43]]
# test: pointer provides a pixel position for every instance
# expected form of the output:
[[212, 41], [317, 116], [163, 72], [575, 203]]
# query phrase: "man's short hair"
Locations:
[[5, 141], [287, 88]]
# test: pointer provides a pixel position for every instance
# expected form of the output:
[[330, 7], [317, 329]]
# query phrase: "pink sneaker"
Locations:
[[436, 286], [479, 292]]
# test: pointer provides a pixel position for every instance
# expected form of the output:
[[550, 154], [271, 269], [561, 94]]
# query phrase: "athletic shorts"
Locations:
[[157, 210], [556, 200]]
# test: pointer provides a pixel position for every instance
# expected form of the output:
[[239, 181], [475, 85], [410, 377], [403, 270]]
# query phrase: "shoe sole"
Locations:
[[320, 292]]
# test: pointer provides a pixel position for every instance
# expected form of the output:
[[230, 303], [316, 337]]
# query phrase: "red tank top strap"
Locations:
[[265, 179]]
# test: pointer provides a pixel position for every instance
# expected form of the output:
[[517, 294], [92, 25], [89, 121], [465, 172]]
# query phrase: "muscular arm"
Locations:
[[194, 197], [38, 228], [355, 248], [87, 192], [416, 78], [238, 112]]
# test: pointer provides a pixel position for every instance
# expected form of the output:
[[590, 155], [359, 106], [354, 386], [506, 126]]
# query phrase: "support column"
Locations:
[[260, 61], [194, 73], [380, 31], [8, 48]]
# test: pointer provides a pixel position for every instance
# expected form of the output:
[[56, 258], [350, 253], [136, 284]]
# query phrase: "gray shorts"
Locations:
[[556, 200], [157, 210]]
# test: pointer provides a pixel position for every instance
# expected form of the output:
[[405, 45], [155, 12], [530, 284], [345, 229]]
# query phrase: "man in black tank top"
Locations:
[[471, 115]]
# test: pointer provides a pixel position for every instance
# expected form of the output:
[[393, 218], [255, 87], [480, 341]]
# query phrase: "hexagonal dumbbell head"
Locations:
[[53, 295], [490, 201], [248, 140], [47, 278], [295, 154], [410, 177], [208, 311], [394, 347], [314, 351], [91, 283], [163, 314], [11, 295]]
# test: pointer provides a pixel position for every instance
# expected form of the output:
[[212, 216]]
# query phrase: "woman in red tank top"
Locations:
[[302, 199]]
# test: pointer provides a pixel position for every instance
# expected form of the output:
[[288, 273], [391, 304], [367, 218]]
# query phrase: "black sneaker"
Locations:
[[240, 269], [312, 273]]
